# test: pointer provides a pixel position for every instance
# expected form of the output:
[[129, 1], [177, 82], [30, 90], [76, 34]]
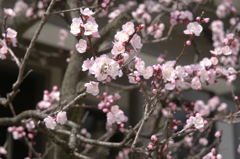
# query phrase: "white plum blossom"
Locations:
[[76, 26], [92, 88], [61, 117], [128, 28], [91, 26], [136, 42], [193, 28], [50, 122], [81, 46]]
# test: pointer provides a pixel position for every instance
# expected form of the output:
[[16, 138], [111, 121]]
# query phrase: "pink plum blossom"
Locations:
[[118, 48], [86, 12], [154, 138], [50, 122], [196, 84], [20, 6], [193, 28], [218, 134], [226, 50], [203, 141], [3, 150], [128, 28], [87, 64], [121, 36], [103, 66], [61, 117], [148, 72], [136, 42], [30, 125], [9, 12], [76, 26], [81, 46], [91, 26], [92, 88]]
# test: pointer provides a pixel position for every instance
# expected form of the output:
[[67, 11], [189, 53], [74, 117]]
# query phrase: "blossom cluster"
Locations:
[[61, 118], [49, 98], [225, 8], [120, 9], [191, 75], [41, 5], [181, 17], [156, 30], [17, 132], [11, 39], [154, 140], [212, 154], [141, 70], [224, 44], [197, 121], [122, 39], [114, 114], [206, 109], [85, 24], [105, 68], [141, 14]]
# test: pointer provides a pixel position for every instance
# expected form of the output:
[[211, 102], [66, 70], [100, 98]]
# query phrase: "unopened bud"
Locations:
[[188, 42], [198, 19], [140, 27], [205, 20]]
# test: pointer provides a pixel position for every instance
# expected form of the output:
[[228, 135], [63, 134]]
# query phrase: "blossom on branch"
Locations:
[[50, 122], [136, 42], [91, 26], [81, 46], [92, 88], [61, 117], [193, 28], [9, 12], [76, 26]]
